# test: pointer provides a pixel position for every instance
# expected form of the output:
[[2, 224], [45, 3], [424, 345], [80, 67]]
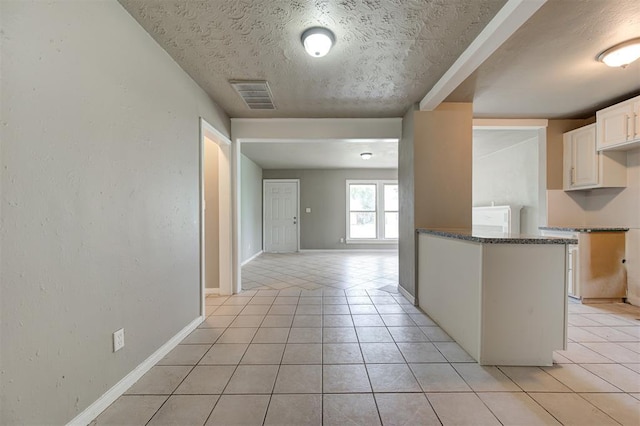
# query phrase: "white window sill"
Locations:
[[363, 241]]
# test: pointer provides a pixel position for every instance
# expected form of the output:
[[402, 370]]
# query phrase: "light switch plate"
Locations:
[[308, 210], [118, 340]]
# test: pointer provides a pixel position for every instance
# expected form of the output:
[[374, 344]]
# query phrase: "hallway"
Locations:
[[320, 338]]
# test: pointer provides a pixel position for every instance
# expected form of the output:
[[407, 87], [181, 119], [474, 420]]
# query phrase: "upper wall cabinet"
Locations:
[[585, 167], [619, 126]]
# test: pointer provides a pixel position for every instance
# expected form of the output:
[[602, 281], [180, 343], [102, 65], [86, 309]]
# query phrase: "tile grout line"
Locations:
[[335, 276], [178, 385], [375, 402]]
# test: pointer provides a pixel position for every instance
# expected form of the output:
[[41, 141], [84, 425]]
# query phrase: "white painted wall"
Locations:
[[100, 202], [510, 177], [251, 209], [211, 214]]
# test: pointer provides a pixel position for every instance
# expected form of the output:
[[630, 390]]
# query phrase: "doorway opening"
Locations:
[[509, 175], [216, 218], [281, 214]]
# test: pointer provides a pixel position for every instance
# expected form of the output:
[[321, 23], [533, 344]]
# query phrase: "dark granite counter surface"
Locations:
[[487, 237], [583, 229]]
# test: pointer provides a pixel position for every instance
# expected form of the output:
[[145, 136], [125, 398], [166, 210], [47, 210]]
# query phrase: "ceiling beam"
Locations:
[[506, 22], [316, 129]]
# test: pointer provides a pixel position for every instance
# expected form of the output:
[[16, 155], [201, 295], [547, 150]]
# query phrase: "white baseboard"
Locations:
[[347, 250], [211, 291], [251, 258], [101, 404], [406, 294]]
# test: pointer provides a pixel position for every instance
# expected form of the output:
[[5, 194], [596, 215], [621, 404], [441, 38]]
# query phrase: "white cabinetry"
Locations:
[[619, 126], [585, 167], [573, 281], [595, 266]]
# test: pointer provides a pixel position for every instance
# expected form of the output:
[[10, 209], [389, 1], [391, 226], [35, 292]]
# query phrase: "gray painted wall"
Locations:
[[324, 191], [100, 203], [251, 208], [407, 241], [510, 176]]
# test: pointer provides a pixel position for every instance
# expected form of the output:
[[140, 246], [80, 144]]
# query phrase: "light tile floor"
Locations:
[[325, 339]]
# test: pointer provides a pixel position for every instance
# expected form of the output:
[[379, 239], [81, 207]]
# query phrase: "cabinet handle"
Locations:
[[636, 125], [627, 127], [572, 175]]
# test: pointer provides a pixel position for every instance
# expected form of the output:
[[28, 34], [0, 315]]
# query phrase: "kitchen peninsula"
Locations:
[[502, 297]]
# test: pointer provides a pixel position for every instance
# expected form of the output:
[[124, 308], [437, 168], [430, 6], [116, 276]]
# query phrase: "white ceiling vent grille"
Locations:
[[255, 93]]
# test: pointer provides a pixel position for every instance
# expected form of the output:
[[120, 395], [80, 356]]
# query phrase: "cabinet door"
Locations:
[[572, 271], [567, 163], [615, 125], [584, 157], [636, 120]]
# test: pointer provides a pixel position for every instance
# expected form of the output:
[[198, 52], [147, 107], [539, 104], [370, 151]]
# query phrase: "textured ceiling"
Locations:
[[548, 68], [388, 53]]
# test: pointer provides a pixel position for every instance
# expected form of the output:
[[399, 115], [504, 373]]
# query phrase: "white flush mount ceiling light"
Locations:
[[621, 54], [366, 155], [318, 41]]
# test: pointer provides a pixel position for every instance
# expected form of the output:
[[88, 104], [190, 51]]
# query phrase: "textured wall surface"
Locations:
[[407, 236], [251, 208], [325, 192], [100, 203], [388, 53], [510, 177]]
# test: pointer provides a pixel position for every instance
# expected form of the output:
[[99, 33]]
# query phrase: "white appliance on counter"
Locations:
[[505, 219]]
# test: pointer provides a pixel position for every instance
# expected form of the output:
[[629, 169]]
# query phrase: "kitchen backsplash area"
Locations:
[[606, 207]]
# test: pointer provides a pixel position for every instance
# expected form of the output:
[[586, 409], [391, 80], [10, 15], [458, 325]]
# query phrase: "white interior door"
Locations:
[[280, 216]]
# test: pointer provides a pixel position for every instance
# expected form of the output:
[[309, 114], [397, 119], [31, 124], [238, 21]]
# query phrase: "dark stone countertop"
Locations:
[[582, 229], [485, 237]]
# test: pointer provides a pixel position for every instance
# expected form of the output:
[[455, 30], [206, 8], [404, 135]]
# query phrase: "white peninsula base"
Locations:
[[504, 300]]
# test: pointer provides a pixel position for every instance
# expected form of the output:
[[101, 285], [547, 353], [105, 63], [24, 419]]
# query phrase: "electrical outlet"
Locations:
[[118, 340], [342, 240]]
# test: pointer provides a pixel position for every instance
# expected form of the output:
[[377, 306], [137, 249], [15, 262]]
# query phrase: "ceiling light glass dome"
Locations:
[[318, 41]]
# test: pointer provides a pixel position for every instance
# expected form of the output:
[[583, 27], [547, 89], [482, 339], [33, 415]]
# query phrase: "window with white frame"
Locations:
[[372, 210]]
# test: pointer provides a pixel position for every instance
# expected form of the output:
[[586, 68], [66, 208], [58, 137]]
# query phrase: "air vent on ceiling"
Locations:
[[255, 93]]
